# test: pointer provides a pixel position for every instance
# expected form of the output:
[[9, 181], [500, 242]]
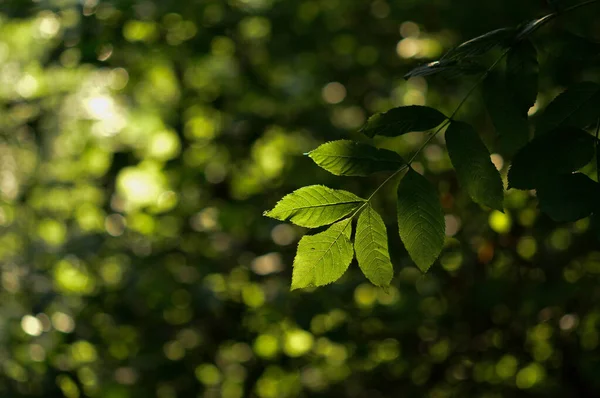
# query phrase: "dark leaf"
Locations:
[[559, 152], [569, 197], [402, 120], [578, 106], [522, 75], [510, 123], [481, 44], [446, 68], [473, 165], [527, 28], [420, 219]]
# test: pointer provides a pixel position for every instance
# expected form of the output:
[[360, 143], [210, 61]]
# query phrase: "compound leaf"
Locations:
[[558, 152], [473, 165], [569, 197], [402, 120], [371, 246], [349, 158], [420, 219], [324, 257], [315, 206]]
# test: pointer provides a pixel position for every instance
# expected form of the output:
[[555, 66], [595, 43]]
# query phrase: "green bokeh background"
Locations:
[[140, 142]]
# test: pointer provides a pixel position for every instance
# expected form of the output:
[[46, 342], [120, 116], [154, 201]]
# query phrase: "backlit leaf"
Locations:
[[475, 170], [402, 120], [371, 246], [569, 197], [559, 152], [324, 257], [420, 219], [349, 158], [315, 206], [578, 106]]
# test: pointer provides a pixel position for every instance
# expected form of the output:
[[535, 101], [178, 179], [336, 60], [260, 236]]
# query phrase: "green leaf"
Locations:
[[315, 206], [559, 152], [481, 44], [567, 45], [569, 198], [420, 219], [371, 247], [349, 158], [402, 120], [473, 165], [510, 124], [578, 106], [522, 75], [324, 257], [447, 68]]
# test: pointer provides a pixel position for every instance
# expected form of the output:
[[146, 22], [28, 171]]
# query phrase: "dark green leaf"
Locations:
[[578, 106], [473, 165], [559, 152], [420, 219], [481, 44], [324, 257], [510, 123], [349, 158], [447, 68], [315, 206], [402, 120], [522, 75], [527, 28], [565, 44], [371, 248], [569, 197]]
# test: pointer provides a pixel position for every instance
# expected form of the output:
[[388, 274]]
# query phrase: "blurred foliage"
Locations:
[[140, 142]]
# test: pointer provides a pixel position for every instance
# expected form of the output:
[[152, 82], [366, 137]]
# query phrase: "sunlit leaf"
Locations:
[[315, 206], [420, 219], [402, 120], [481, 44], [569, 197], [522, 74], [371, 246], [510, 124], [474, 167], [349, 158], [324, 257], [578, 106], [559, 152]]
